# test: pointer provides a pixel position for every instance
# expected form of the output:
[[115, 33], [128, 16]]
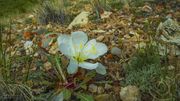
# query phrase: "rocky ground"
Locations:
[[124, 31]]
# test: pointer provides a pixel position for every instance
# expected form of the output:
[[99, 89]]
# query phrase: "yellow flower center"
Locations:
[[93, 50], [79, 58]]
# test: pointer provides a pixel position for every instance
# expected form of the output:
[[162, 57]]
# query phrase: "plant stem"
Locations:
[[60, 71], [29, 66]]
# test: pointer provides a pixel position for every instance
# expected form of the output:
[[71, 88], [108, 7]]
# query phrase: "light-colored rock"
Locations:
[[20, 20], [19, 31], [53, 49], [113, 43], [99, 31], [147, 8], [47, 66], [168, 33], [127, 36], [100, 90], [31, 16], [49, 26], [171, 67], [130, 93], [93, 88], [103, 97], [107, 86], [106, 14], [116, 51], [100, 38], [132, 33], [80, 19]]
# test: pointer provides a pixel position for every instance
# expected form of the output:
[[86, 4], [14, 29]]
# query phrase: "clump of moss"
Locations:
[[142, 67], [146, 71]]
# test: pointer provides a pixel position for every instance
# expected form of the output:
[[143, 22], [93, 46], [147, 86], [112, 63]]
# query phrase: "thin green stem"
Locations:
[[61, 71]]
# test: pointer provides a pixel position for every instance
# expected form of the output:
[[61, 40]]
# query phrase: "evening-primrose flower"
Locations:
[[78, 49], [28, 47]]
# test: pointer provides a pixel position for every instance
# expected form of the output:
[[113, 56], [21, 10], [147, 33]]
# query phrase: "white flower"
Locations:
[[28, 44], [78, 49], [28, 47]]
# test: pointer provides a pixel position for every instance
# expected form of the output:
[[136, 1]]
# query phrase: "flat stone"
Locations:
[[116, 51], [80, 19], [130, 93]]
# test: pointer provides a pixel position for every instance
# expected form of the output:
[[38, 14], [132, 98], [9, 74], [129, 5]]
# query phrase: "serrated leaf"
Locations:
[[85, 97]]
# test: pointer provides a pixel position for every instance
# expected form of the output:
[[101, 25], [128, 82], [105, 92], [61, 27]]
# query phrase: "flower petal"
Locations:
[[94, 49], [63, 39], [65, 45], [101, 48], [101, 69], [88, 65], [28, 44], [72, 67], [90, 51], [79, 39]]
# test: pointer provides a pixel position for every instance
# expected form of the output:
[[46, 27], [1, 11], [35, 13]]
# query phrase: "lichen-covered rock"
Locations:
[[168, 32], [81, 19]]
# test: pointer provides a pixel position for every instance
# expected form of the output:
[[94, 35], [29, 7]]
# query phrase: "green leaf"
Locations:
[[85, 97], [59, 97], [66, 94]]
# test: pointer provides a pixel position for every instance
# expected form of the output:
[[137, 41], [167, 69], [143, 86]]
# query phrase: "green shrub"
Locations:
[[53, 12]]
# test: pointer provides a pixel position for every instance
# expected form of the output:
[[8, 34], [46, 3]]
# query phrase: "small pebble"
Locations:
[[93, 88], [116, 51], [47, 66], [100, 90], [107, 86], [100, 38], [130, 93]]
